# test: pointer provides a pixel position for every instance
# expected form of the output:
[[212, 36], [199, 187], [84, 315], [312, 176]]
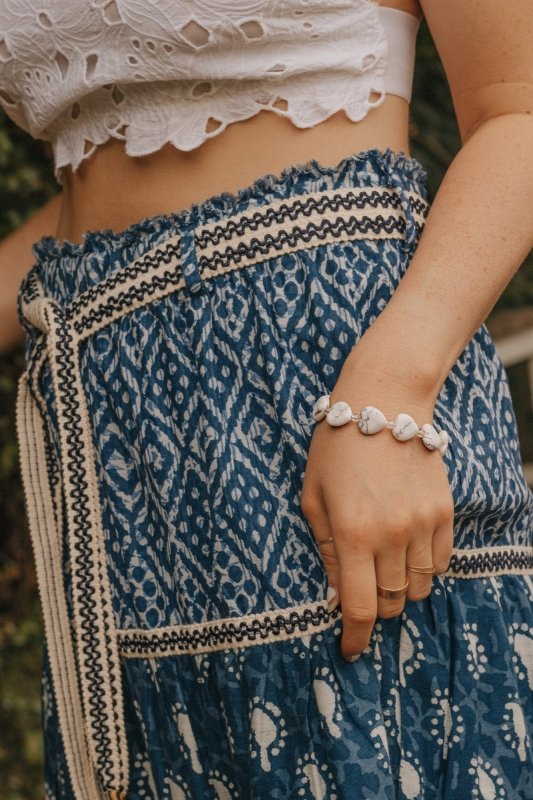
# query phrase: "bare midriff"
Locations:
[[113, 190]]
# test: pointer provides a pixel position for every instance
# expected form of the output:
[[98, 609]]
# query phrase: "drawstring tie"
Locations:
[[84, 657]]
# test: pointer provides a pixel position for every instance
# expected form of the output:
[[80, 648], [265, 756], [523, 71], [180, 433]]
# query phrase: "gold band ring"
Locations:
[[391, 593], [422, 570], [324, 541]]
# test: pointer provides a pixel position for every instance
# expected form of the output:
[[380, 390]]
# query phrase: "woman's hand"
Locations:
[[385, 503]]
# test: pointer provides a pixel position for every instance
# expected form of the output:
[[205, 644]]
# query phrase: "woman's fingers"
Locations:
[[315, 513], [358, 598], [443, 545], [420, 555], [391, 574], [373, 503]]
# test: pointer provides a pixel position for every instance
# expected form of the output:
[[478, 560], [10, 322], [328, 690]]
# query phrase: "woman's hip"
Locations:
[[183, 380], [165, 416]]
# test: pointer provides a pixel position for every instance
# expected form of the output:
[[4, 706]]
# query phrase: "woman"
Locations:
[[242, 600]]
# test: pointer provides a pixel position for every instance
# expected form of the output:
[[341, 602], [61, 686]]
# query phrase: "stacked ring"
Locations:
[[391, 593], [422, 570]]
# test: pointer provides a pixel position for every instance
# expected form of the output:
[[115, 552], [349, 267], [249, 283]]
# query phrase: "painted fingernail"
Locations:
[[331, 598], [354, 658]]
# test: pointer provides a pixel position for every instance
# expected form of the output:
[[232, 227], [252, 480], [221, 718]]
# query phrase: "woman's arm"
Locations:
[[385, 503], [15, 260], [480, 226]]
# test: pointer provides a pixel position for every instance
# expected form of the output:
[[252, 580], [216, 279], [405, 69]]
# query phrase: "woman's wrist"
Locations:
[[371, 420], [370, 376]]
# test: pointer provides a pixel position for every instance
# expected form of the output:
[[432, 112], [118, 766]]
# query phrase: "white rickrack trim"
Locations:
[[371, 420]]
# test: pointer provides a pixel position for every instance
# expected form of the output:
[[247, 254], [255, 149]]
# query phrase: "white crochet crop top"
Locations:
[[77, 72]]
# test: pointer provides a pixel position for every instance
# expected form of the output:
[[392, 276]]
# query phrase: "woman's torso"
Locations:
[[113, 190]]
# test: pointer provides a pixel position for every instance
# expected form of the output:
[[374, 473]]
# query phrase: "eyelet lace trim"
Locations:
[[79, 73]]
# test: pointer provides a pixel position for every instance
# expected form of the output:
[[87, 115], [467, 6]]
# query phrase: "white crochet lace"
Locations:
[[151, 72]]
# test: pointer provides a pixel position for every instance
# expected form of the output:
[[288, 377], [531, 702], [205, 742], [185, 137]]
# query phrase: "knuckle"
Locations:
[[348, 517], [358, 616], [441, 565], [349, 526], [446, 511], [357, 540], [432, 515], [310, 505], [399, 531], [425, 516], [420, 595], [392, 610]]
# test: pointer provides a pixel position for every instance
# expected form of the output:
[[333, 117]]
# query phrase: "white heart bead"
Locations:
[[404, 427], [339, 414], [445, 440], [371, 420], [320, 409], [430, 438]]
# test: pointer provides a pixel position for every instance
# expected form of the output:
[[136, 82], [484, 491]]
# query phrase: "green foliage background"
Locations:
[[26, 182]]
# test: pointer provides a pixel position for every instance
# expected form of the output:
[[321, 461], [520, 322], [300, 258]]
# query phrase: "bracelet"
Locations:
[[371, 420]]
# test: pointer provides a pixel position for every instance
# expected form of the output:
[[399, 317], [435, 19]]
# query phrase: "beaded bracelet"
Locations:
[[371, 420]]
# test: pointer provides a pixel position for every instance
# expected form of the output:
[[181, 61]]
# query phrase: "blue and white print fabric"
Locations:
[[174, 367]]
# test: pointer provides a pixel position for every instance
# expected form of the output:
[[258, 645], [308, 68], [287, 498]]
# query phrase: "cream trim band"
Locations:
[[281, 624], [236, 242], [232, 633], [48, 560], [84, 658]]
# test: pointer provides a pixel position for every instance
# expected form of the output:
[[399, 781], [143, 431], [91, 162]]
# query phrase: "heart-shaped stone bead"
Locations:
[[339, 414], [404, 427], [371, 420], [431, 437], [321, 407], [445, 440]]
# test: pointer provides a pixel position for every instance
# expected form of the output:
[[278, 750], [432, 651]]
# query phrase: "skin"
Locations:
[[15, 260], [104, 192], [387, 504]]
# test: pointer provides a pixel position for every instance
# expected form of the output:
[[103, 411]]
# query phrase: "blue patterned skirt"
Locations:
[[164, 417]]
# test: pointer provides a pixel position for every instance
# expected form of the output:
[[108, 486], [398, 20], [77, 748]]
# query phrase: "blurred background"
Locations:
[[26, 182]]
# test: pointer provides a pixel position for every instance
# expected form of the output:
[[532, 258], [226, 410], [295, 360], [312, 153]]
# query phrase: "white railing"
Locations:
[[515, 349]]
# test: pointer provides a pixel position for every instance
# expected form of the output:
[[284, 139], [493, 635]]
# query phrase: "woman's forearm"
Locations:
[[15, 260], [477, 234]]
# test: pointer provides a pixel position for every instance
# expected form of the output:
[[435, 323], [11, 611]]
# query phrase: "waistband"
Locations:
[[85, 653], [199, 253], [68, 269]]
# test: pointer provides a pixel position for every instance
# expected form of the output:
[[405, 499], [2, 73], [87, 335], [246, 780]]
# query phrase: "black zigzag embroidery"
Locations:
[[491, 561], [301, 235], [102, 301], [140, 266], [226, 633], [266, 216], [84, 554]]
